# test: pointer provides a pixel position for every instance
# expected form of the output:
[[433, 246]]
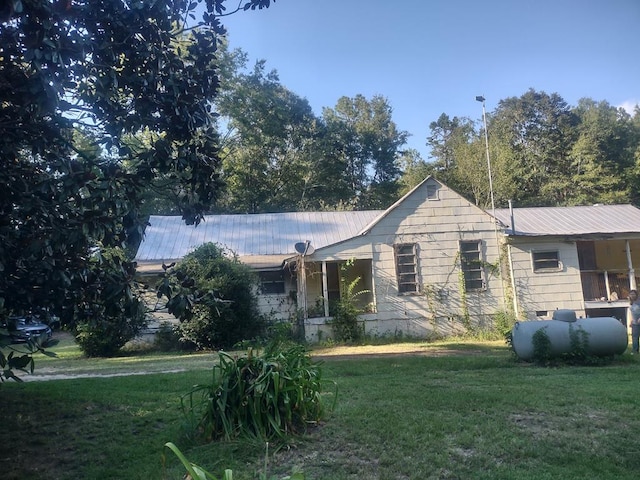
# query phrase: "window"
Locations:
[[407, 267], [546, 261], [470, 261], [271, 282], [432, 192]]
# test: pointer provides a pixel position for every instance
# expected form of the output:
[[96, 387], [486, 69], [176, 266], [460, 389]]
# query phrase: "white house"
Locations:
[[431, 264]]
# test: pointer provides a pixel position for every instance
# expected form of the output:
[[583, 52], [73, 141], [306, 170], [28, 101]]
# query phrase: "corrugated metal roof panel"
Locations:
[[167, 237], [567, 221]]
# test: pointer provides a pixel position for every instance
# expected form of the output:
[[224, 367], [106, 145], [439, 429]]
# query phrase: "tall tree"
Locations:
[[112, 68], [414, 169], [269, 149], [455, 162], [367, 144], [602, 156], [533, 135]]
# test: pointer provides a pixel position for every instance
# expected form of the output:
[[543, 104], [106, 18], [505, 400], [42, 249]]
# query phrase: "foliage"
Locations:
[[77, 79], [579, 350], [169, 339], [271, 162], [366, 147], [273, 395], [195, 472], [542, 152], [541, 347], [345, 324], [198, 473], [503, 323], [112, 312], [23, 361], [213, 295], [578, 353]]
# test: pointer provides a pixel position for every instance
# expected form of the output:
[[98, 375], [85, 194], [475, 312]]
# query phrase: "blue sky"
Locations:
[[429, 57]]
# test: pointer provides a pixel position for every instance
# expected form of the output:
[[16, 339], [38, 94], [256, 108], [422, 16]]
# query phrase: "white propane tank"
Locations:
[[606, 335]]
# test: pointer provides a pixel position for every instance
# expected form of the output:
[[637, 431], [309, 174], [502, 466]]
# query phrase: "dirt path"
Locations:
[[49, 372]]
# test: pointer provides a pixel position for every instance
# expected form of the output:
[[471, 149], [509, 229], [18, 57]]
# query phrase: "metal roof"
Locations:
[[571, 221], [274, 235]]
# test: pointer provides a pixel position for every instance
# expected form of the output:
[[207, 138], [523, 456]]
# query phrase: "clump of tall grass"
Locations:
[[270, 395]]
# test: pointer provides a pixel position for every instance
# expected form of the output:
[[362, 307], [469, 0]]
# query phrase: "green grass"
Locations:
[[470, 411]]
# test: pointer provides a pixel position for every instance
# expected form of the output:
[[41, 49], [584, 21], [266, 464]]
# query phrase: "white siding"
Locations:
[[546, 291], [436, 226]]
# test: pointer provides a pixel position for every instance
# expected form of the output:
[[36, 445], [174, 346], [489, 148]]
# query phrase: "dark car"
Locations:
[[23, 329]]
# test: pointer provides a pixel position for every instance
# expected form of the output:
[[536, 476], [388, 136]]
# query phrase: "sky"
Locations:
[[429, 57]]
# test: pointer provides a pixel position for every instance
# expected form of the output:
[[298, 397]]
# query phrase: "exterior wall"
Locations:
[[442, 307], [278, 306], [546, 291]]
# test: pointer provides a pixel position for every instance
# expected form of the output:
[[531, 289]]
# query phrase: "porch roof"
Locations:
[[260, 240], [571, 221]]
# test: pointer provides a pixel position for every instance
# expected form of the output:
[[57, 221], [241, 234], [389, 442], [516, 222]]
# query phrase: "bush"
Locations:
[[169, 339], [107, 333], [262, 396], [111, 312], [214, 296], [345, 324]]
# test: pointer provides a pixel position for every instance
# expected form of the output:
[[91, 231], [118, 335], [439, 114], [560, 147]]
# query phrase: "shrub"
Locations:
[[107, 333], [541, 347], [111, 313], [262, 396], [345, 324], [169, 339], [214, 296]]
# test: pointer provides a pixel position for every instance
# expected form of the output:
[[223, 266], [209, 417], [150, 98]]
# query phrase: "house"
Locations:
[[431, 264], [581, 258]]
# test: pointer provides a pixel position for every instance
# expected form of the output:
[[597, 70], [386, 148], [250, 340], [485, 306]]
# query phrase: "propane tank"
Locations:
[[605, 335]]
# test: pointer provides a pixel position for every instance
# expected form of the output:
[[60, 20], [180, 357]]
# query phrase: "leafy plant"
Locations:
[[213, 295], [266, 396], [344, 324], [112, 313], [198, 473], [23, 361], [194, 471], [541, 347]]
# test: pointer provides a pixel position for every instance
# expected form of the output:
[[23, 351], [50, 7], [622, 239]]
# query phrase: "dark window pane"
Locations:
[[546, 261]]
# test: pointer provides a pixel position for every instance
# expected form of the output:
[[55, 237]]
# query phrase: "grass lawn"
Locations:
[[443, 411]]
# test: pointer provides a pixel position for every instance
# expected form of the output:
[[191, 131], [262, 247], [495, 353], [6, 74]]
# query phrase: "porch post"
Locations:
[[325, 289], [632, 272], [513, 282], [302, 288]]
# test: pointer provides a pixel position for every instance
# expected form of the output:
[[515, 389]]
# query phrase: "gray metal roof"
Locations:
[[571, 221], [261, 236]]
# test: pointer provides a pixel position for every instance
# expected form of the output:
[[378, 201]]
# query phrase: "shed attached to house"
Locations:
[[581, 258]]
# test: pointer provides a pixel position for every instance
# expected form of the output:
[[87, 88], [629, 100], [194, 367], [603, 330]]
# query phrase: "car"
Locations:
[[23, 329]]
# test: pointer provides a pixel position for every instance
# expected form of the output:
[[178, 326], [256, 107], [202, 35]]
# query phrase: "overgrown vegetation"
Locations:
[[578, 353], [275, 394], [112, 313], [213, 295], [345, 324]]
